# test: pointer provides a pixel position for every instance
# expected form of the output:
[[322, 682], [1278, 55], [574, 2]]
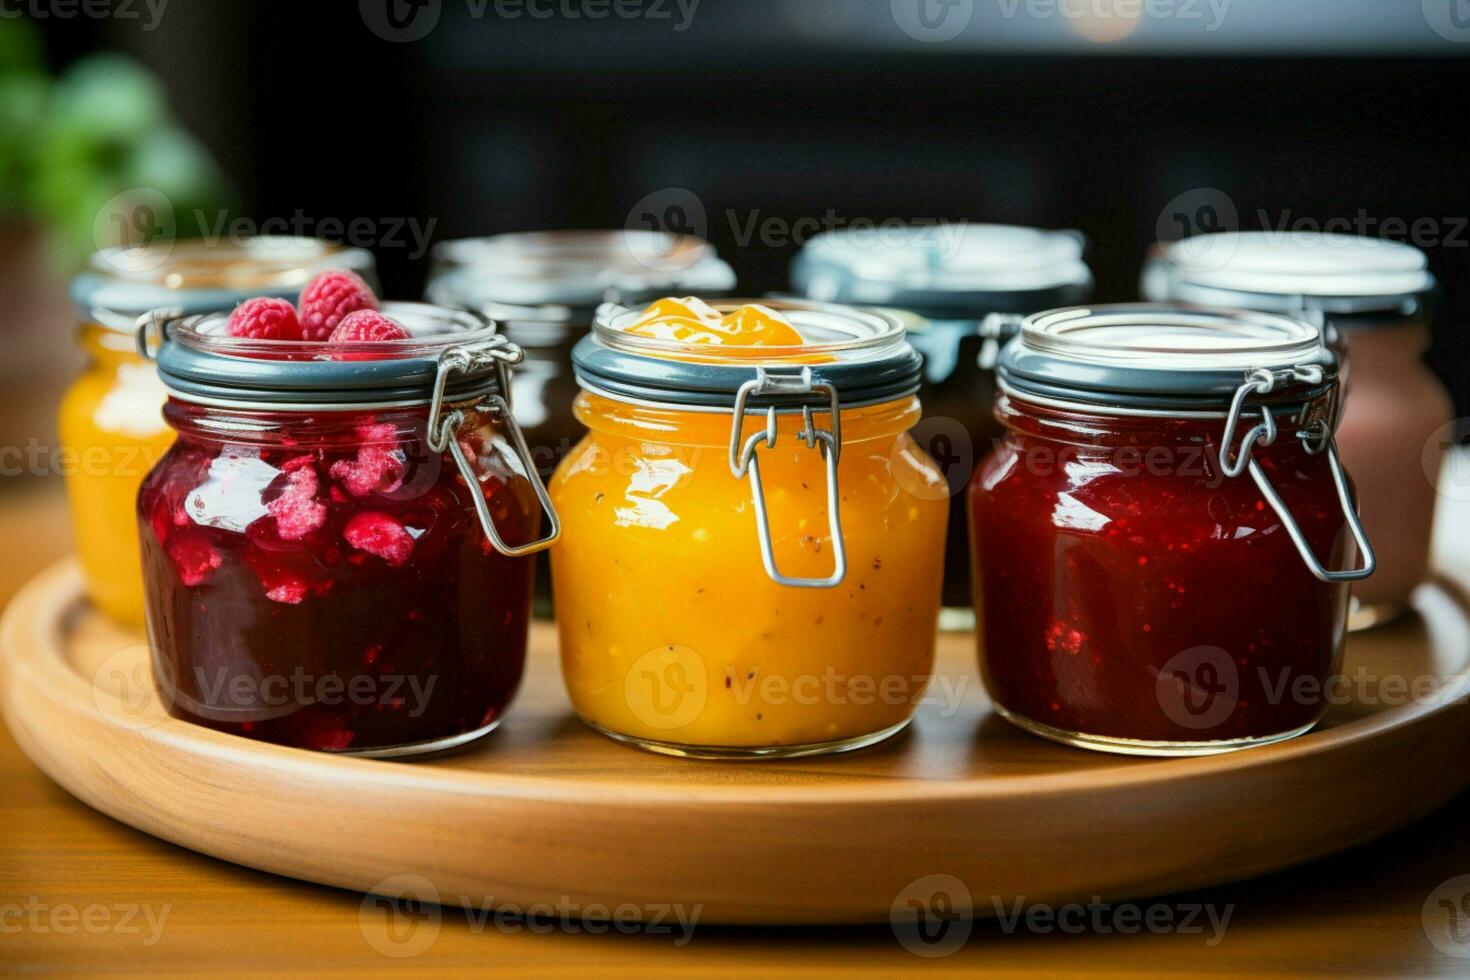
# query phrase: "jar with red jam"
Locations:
[[338, 548], [1376, 298], [1164, 540], [944, 281]]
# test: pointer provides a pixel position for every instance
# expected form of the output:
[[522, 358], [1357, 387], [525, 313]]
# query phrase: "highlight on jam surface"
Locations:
[[991, 478]]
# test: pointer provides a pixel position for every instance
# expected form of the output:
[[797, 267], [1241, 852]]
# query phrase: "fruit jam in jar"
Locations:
[[754, 543], [337, 549], [1138, 592]]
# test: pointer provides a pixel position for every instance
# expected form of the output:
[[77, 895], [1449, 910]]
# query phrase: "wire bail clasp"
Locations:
[[1316, 437], [443, 427], [151, 324], [744, 461]]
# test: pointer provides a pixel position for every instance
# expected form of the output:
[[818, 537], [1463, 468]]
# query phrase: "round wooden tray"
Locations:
[[544, 810]]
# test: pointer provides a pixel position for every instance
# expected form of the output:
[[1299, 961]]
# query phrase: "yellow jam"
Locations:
[[674, 636], [112, 432], [692, 321]]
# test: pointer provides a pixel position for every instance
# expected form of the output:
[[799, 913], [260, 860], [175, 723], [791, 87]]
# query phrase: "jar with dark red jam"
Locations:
[[944, 281], [1164, 540], [543, 288], [338, 548]]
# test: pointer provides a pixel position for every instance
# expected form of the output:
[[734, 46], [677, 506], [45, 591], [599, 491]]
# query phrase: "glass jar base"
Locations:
[[1145, 747], [748, 752], [1365, 617], [431, 747]]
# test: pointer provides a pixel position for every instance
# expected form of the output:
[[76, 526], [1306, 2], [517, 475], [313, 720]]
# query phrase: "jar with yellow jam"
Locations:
[[752, 545], [111, 419]]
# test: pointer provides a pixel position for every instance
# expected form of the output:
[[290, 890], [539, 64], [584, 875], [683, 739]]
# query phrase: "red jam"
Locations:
[[1128, 589], [321, 580]]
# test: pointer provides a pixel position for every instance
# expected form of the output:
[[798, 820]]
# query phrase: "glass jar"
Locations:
[[111, 421], [1146, 537], [946, 279], [1376, 298], [754, 544], [337, 548], [542, 288]]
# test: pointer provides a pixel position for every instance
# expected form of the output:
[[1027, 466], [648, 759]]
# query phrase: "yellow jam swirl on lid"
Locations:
[[689, 320]]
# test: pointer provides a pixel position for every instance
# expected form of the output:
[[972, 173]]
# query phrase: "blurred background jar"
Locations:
[[942, 280], [1376, 300], [110, 422], [542, 289]]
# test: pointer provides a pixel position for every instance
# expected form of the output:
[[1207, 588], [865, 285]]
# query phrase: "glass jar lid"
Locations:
[[861, 355], [199, 362], [945, 270], [574, 269], [194, 276], [1160, 357], [1291, 271]]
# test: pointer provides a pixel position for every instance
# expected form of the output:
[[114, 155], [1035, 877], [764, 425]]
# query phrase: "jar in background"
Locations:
[[754, 545], [337, 548], [111, 419], [542, 288], [1377, 297], [943, 281], [1164, 539]]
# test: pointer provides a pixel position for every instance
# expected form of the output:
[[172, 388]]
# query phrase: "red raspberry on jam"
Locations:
[[296, 510], [367, 325], [329, 298], [379, 534], [264, 318], [193, 557], [380, 463]]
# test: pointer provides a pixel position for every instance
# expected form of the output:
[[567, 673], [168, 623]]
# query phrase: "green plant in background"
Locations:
[[70, 145]]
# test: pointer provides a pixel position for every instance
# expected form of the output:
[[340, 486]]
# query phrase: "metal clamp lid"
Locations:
[[743, 461], [443, 429], [1316, 437]]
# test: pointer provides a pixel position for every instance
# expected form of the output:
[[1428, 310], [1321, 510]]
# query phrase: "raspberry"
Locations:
[[264, 318], [379, 534], [193, 557], [297, 511], [367, 325], [378, 467], [328, 298]]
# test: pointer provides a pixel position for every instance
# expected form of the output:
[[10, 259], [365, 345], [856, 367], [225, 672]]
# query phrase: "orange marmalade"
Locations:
[[774, 597]]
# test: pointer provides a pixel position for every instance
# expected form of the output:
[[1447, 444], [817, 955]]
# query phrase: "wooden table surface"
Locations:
[[82, 893]]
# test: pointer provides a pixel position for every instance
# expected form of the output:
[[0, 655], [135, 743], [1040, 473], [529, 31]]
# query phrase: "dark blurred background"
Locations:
[[480, 117]]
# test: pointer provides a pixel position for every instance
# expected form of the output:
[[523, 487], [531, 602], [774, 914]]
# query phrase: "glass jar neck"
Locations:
[[1084, 428], [685, 426], [305, 431]]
